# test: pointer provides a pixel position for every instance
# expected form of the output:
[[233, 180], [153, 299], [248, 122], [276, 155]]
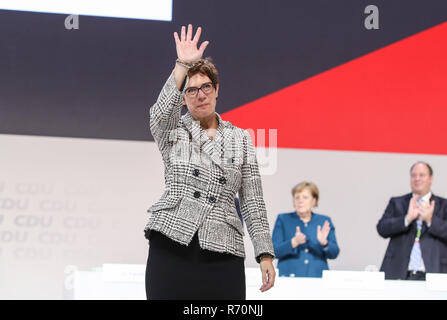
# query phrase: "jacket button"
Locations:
[[222, 180], [212, 199], [196, 172], [197, 194]]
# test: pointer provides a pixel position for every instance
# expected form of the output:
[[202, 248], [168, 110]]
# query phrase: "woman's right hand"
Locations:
[[299, 238], [186, 45]]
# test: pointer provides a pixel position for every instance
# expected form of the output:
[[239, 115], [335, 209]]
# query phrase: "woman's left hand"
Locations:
[[268, 273], [322, 233]]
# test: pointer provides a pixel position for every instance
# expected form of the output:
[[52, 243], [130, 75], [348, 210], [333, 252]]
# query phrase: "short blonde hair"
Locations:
[[312, 187]]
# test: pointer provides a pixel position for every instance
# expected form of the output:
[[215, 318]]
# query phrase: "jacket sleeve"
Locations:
[[252, 202], [392, 222], [438, 227], [165, 114], [281, 245]]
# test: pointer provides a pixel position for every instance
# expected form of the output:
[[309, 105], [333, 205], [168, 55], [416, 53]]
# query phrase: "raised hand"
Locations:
[[412, 212], [299, 238], [322, 233], [425, 210], [186, 45]]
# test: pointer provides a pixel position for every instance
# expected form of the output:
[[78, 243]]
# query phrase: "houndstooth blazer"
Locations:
[[202, 177]]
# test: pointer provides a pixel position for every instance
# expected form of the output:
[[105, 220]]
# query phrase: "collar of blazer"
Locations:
[[214, 149], [408, 197]]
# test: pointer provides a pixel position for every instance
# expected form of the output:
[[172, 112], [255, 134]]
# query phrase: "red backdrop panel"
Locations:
[[391, 100]]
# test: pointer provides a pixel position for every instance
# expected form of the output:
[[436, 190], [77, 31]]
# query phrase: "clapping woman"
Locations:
[[303, 240]]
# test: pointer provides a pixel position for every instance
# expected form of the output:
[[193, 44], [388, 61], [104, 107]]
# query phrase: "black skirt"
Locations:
[[178, 272]]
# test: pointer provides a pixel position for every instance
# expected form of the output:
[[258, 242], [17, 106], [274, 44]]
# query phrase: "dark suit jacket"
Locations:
[[433, 239]]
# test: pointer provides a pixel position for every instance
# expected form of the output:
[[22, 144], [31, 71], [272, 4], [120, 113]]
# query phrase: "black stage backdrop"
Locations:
[[98, 81]]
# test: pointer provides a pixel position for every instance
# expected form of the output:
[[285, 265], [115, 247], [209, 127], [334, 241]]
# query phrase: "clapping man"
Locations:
[[416, 225]]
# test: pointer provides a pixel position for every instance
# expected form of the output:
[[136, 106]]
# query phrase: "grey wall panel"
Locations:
[[79, 203]]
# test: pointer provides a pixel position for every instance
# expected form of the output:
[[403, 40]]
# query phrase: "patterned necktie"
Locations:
[[416, 262]]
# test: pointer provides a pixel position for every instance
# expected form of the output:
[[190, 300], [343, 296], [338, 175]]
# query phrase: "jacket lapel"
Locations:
[[413, 224], [219, 142], [207, 148]]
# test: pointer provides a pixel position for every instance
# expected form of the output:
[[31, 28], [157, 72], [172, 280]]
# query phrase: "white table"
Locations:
[[121, 282]]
